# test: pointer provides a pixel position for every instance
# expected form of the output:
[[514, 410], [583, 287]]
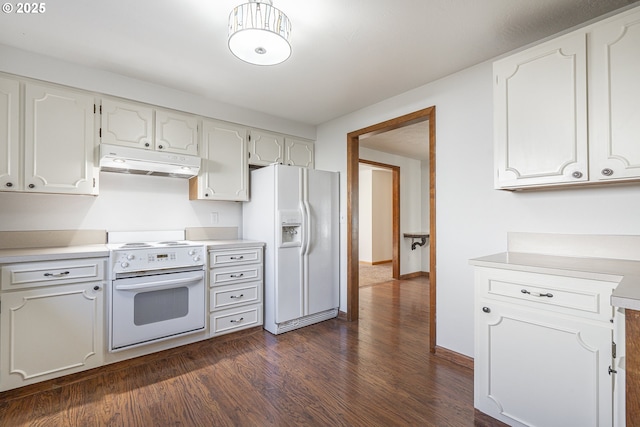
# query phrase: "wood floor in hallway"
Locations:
[[374, 372]]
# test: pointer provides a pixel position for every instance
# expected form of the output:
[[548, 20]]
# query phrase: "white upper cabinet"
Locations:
[[59, 140], [567, 111], [540, 114], [126, 124], [176, 132], [266, 148], [140, 126], [299, 152], [615, 98], [224, 174], [9, 134]]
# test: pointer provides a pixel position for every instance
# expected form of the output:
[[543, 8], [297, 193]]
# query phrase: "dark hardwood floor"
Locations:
[[374, 372]]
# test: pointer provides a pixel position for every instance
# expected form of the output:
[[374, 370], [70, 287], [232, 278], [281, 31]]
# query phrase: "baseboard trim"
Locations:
[[452, 356], [386, 261], [414, 275]]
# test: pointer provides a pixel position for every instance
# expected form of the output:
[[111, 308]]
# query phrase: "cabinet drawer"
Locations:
[[226, 321], [236, 274], [222, 297], [34, 274], [569, 295], [234, 257]]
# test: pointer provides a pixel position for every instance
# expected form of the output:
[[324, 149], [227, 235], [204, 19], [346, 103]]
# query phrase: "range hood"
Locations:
[[114, 158]]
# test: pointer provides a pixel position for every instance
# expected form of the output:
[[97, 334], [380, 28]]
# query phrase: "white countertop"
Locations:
[[625, 273], [10, 256]]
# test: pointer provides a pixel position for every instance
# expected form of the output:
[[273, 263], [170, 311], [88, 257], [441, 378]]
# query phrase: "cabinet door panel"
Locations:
[[265, 148], [9, 143], [225, 172], [62, 322], [616, 98], [130, 125], [59, 141], [299, 153], [176, 133], [540, 114], [539, 369]]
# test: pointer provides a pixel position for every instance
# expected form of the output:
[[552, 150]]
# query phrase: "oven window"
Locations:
[[157, 306]]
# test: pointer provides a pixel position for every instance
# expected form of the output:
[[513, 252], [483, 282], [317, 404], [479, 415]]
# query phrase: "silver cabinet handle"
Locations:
[[236, 296], [537, 294], [64, 273], [237, 275], [607, 172], [577, 174], [237, 257], [237, 321], [486, 309]]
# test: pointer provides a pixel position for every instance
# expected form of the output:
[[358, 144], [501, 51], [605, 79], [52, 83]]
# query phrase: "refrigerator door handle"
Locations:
[[305, 227]]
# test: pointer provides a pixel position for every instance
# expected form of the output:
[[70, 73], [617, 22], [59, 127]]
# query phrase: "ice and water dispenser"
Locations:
[[291, 228]]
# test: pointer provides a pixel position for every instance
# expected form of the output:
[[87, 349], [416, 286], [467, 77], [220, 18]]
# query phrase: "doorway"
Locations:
[[353, 195], [394, 203]]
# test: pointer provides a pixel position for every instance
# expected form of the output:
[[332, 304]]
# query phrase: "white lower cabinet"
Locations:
[[236, 288], [50, 330], [544, 349]]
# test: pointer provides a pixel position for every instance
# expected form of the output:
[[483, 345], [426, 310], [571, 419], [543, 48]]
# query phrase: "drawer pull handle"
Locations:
[[237, 296], [64, 273], [486, 309], [237, 257], [537, 294], [237, 275], [237, 321]]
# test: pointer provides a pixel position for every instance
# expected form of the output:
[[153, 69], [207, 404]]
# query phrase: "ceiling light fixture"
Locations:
[[259, 33]]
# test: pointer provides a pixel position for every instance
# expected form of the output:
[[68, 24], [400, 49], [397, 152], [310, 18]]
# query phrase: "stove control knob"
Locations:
[[192, 252], [130, 257], [124, 264], [196, 258]]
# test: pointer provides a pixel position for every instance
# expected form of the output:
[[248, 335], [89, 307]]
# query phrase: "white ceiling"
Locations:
[[347, 54], [410, 141]]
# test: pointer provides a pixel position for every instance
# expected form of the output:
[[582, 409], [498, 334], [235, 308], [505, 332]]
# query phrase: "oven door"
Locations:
[[157, 307]]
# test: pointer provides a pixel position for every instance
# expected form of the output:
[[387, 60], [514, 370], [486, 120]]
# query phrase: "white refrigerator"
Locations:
[[295, 212]]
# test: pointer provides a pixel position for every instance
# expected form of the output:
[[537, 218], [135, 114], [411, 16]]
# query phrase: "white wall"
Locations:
[[424, 165], [382, 216], [472, 218], [375, 226], [365, 239], [26, 64], [126, 202]]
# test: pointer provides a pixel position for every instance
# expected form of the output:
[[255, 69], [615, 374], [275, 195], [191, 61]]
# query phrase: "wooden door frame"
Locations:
[[395, 203], [353, 199]]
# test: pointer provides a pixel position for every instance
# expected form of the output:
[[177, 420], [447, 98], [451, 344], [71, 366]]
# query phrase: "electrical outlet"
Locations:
[[214, 218]]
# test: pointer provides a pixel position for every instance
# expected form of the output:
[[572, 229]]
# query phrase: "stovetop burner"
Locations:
[[173, 243], [136, 245]]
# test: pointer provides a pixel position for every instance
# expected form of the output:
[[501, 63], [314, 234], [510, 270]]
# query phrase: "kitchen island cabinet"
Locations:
[[550, 317], [51, 323], [543, 341]]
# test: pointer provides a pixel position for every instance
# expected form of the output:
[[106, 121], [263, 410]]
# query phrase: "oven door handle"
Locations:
[[162, 284]]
